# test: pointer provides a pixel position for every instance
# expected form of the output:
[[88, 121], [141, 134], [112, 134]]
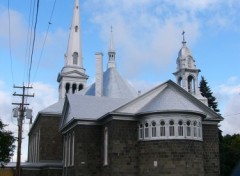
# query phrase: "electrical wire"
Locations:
[[29, 37], [33, 44], [10, 43], [231, 115], [44, 42]]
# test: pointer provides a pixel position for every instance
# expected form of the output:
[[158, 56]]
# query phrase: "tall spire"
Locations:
[[111, 52], [73, 56], [72, 77]]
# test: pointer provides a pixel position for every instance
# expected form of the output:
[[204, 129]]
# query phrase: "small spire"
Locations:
[[111, 52], [183, 42], [111, 47]]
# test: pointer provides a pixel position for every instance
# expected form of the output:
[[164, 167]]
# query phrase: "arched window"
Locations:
[[65, 150], [146, 130], [191, 85], [75, 58], [76, 28], [67, 87], [69, 150], [72, 148], [80, 87], [105, 161], [74, 87], [188, 128], [154, 129], [141, 131], [171, 128], [195, 129], [199, 130], [180, 81], [180, 128], [162, 128]]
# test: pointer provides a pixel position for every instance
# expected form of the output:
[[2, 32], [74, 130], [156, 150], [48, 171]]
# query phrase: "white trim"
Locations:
[[105, 149], [210, 122], [174, 127]]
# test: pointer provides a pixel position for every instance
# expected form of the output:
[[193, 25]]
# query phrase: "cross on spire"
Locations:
[[183, 42]]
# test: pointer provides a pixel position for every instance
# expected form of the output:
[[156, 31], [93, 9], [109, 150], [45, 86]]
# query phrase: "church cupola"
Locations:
[[187, 72], [72, 77], [111, 52]]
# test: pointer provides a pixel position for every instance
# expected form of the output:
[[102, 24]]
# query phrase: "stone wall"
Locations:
[[42, 172], [87, 151], [171, 158], [51, 146], [211, 150], [122, 149]]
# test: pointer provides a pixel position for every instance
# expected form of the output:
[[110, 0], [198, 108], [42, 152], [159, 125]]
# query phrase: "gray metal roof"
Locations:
[[83, 107], [170, 99], [55, 108], [114, 86]]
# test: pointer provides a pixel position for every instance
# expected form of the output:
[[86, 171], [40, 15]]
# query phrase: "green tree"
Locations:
[[6, 144], [212, 103], [206, 92], [230, 153]]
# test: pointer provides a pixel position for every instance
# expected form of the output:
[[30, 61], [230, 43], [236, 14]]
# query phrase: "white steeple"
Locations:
[[72, 77], [187, 72], [74, 51], [111, 52]]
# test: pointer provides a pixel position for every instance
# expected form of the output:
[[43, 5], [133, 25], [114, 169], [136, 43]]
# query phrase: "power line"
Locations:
[[231, 115], [33, 44], [10, 43], [49, 23], [29, 37]]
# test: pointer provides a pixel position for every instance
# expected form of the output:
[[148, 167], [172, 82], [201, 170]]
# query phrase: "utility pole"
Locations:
[[20, 124]]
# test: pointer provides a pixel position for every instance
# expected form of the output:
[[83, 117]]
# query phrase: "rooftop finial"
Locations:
[[183, 42], [111, 47]]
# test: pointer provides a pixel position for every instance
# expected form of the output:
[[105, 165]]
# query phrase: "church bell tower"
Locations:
[[187, 72], [72, 77]]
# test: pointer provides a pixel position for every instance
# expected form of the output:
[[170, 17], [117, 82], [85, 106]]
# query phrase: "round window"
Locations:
[[153, 123], [162, 123]]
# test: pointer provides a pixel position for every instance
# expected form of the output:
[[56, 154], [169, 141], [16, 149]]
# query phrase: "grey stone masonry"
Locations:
[[50, 142], [87, 151], [211, 150], [171, 158], [122, 149]]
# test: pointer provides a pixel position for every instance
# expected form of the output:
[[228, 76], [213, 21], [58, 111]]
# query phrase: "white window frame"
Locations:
[[171, 129], [162, 129], [105, 150], [186, 132], [154, 129]]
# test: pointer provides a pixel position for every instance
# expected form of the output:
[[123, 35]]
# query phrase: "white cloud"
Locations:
[[45, 95], [144, 39], [229, 98]]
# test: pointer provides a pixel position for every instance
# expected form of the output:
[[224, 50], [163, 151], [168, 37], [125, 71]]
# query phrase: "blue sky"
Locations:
[[147, 38]]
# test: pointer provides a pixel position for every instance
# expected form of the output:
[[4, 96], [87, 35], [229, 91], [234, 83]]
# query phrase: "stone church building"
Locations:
[[109, 129]]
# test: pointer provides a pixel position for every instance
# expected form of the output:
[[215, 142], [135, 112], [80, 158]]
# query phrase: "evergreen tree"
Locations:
[[206, 92], [230, 155], [6, 144]]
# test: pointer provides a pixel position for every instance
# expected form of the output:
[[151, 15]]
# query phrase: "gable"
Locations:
[[168, 97], [71, 74]]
